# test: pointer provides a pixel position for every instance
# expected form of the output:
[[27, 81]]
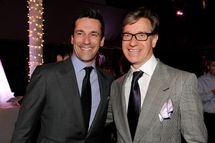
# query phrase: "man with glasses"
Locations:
[[153, 102]]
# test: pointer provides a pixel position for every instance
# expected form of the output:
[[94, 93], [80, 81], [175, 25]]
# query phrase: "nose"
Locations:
[[86, 39], [133, 41]]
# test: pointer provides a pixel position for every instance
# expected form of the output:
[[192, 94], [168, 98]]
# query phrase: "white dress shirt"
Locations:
[[148, 69]]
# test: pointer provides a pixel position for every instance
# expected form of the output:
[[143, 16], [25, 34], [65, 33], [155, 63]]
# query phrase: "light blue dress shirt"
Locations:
[[206, 83], [80, 73]]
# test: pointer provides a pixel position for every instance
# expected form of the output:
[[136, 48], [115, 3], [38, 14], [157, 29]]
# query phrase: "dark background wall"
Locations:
[[183, 43]]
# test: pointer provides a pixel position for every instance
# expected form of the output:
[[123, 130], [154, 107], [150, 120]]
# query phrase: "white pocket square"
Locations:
[[166, 110]]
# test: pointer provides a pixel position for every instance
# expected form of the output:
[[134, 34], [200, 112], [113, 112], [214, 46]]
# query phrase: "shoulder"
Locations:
[[174, 72], [202, 77], [50, 68], [104, 74], [205, 78], [172, 69], [120, 80]]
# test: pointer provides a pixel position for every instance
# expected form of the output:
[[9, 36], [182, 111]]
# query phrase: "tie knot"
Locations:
[[88, 70], [137, 75]]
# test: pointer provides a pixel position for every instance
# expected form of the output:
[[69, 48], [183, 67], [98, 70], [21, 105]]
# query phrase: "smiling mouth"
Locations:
[[86, 48], [134, 51]]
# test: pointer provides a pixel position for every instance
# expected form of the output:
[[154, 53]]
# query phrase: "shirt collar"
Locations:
[[78, 64], [148, 67]]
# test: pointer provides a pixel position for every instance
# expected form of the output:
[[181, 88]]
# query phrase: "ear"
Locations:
[[154, 40], [72, 39], [102, 42], [208, 67]]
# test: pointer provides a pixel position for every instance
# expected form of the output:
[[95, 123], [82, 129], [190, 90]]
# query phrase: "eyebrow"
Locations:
[[79, 30], [94, 32], [89, 32]]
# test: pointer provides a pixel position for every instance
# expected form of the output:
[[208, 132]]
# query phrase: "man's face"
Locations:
[[138, 52], [211, 68], [87, 39]]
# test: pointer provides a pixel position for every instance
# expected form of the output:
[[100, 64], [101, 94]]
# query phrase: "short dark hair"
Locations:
[[142, 12], [210, 58], [90, 13]]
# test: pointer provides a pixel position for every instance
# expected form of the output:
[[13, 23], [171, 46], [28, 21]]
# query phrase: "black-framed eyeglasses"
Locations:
[[142, 36]]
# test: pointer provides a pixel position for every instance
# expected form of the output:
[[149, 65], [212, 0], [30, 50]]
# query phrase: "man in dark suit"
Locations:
[[52, 109], [164, 103]]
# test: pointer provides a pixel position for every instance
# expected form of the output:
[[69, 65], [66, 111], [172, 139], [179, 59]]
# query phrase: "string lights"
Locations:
[[203, 4], [35, 34]]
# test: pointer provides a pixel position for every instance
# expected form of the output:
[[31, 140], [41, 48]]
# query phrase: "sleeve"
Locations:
[[192, 120], [28, 119], [110, 128]]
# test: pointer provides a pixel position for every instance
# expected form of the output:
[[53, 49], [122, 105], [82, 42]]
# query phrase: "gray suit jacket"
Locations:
[[166, 84], [51, 109]]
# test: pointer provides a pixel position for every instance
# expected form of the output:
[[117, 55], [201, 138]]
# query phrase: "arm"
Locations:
[[192, 121], [206, 94], [31, 107], [110, 129]]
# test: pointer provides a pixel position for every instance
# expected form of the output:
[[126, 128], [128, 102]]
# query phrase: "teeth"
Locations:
[[134, 50], [86, 48]]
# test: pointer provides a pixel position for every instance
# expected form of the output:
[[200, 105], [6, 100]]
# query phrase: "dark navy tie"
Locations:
[[134, 104], [86, 96]]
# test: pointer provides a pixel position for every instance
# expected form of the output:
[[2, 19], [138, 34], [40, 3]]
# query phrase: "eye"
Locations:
[[79, 33], [141, 35], [94, 34], [126, 35]]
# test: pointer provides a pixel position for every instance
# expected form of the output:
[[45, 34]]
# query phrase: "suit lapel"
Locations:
[[124, 111], [104, 95], [122, 121], [68, 83], [153, 102]]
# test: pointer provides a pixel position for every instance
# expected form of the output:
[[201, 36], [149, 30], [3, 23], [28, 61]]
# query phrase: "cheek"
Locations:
[[77, 41], [97, 43], [125, 52], [146, 49], [124, 45]]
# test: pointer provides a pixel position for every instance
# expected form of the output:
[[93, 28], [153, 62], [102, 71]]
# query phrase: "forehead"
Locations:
[[141, 25], [87, 24]]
